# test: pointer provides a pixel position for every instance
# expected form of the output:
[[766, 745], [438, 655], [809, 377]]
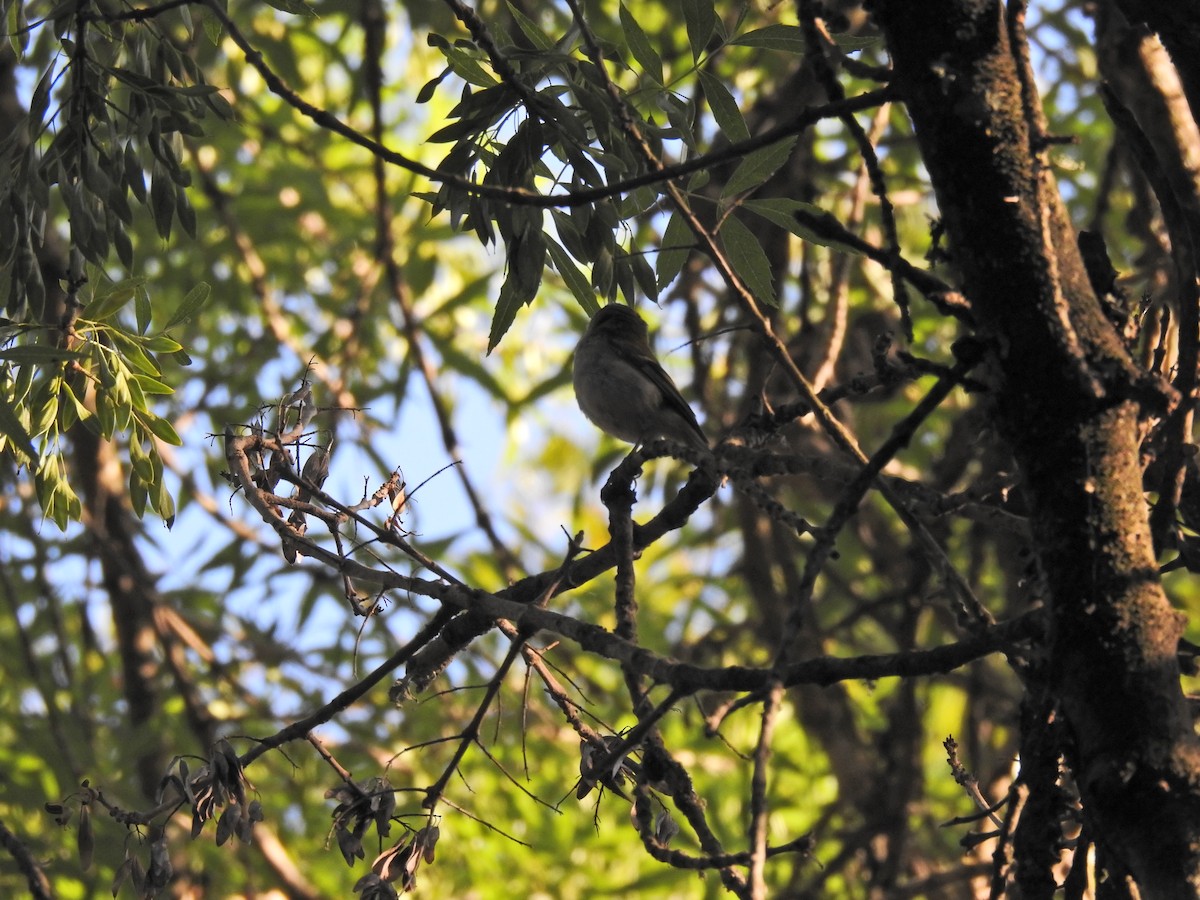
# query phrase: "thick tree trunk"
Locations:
[[1068, 396]]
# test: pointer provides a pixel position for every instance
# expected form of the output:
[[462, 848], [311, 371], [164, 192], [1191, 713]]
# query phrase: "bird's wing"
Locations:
[[672, 399]]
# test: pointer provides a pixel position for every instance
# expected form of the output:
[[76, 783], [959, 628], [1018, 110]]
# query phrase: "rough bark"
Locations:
[[1069, 400], [1178, 25]]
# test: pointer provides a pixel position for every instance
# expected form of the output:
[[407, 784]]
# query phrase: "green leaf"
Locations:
[[295, 7], [160, 428], [152, 385], [105, 306], [137, 397], [139, 462], [506, 313], [119, 400], [135, 176], [724, 108], [623, 271], [124, 246], [575, 280], [789, 38], [748, 259], [781, 211], [40, 101], [700, 17], [38, 354], [164, 503], [677, 243], [131, 352], [142, 309], [106, 414], [63, 504], [527, 263], [639, 45], [213, 29], [185, 212], [468, 68], [160, 343], [46, 478], [644, 275], [604, 273], [531, 30], [138, 496], [758, 167], [14, 432], [162, 201], [197, 90], [566, 227], [82, 413], [425, 94], [44, 407], [192, 304], [681, 113]]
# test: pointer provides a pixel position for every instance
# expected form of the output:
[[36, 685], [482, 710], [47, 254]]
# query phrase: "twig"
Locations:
[[524, 196], [301, 727], [818, 40], [470, 734], [676, 858], [35, 877], [758, 792]]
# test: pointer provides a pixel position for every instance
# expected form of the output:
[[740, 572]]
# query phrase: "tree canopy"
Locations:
[[317, 582]]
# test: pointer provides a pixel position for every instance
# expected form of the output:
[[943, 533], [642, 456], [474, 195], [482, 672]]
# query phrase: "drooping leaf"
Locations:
[[644, 275], [142, 309], [639, 45], [724, 107], [681, 113], [40, 101], [533, 33], [160, 428], [467, 67], [14, 432], [700, 17], [133, 353], [505, 314], [748, 259], [162, 202], [575, 280], [677, 243]]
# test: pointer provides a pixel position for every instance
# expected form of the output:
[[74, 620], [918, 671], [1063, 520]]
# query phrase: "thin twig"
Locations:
[[759, 809], [524, 196]]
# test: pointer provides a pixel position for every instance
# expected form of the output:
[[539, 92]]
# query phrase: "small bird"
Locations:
[[623, 390]]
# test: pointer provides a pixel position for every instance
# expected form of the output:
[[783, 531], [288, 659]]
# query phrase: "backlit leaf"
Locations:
[[748, 259]]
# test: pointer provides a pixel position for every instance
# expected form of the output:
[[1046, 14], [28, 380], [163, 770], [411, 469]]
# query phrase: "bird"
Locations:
[[621, 387]]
